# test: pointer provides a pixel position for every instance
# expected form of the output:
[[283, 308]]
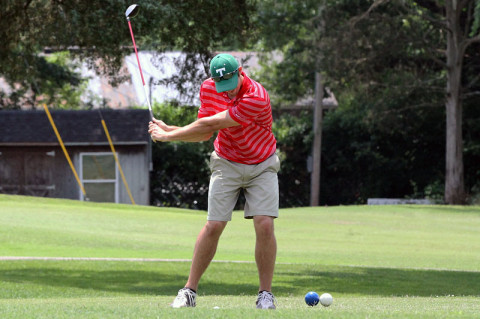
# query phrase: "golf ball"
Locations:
[[312, 298], [326, 299]]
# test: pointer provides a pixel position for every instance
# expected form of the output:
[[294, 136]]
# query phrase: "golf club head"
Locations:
[[132, 11]]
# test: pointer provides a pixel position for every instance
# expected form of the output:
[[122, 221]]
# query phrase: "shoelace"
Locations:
[[187, 295], [266, 297]]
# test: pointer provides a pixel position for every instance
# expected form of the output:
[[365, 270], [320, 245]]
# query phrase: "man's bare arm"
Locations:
[[200, 130]]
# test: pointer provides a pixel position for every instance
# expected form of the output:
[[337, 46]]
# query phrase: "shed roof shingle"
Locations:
[[75, 127]]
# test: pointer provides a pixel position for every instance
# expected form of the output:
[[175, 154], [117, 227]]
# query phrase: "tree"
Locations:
[[462, 31], [386, 48], [96, 32], [459, 21]]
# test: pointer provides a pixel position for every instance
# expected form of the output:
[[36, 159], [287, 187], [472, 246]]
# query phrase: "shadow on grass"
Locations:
[[82, 279], [384, 281]]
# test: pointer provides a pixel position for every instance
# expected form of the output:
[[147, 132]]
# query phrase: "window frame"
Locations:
[[99, 181]]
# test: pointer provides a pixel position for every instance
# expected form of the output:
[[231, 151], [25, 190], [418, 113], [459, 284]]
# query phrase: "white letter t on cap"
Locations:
[[220, 71]]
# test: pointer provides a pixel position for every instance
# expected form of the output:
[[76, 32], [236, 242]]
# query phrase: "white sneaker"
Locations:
[[185, 298], [266, 300]]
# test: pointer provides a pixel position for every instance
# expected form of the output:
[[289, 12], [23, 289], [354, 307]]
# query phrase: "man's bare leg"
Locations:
[[265, 250], [205, 248]]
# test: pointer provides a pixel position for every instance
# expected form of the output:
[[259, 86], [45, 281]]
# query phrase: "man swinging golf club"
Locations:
[[244, 159]]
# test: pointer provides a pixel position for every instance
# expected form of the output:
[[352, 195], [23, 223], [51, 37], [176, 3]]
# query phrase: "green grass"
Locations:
[[377, 261]]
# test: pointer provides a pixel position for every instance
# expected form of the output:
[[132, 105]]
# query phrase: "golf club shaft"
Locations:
[[136, 52], [148, 101], [140, 68]]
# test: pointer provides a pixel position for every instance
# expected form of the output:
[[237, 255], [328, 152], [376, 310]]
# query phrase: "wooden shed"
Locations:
[[33, 163]]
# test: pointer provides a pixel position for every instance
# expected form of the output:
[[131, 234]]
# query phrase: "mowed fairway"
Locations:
[[376, 261]]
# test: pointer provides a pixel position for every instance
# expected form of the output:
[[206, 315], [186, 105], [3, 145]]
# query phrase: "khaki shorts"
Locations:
[[259, 183]]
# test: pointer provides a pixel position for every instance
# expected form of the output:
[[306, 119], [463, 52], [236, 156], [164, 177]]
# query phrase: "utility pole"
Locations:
[[317, 117], [317, 140]]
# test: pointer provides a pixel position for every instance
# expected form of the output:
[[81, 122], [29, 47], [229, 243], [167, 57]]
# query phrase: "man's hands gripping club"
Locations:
[[198, 131]]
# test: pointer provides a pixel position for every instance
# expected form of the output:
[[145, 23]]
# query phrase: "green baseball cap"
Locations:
[[224, 69]]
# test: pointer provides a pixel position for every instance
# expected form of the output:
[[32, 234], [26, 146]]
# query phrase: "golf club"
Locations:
[[131, 12]]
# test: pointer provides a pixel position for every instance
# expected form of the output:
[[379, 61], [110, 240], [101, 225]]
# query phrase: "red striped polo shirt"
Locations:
[[252, 142]]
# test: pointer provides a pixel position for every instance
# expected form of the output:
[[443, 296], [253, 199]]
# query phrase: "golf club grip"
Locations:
[[151, 117]]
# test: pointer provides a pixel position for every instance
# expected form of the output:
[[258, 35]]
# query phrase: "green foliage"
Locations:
[[294, 139], [62, 88], [174, 114], [387, 137], [281, 79], [385, 65], [380, 156], [58, 84], [181, 173], [96, 32], [434, 192], [292, 77], [397, 154], [476, 21]]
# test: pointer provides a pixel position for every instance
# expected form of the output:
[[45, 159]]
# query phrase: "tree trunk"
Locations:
[[454, 171]]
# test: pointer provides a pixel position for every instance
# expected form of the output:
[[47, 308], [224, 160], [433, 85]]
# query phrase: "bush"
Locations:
[[180, 174]]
